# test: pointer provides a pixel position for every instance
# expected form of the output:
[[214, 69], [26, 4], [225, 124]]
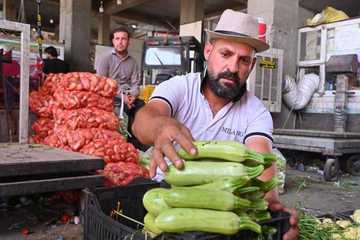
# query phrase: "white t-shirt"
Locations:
[[235, 121]]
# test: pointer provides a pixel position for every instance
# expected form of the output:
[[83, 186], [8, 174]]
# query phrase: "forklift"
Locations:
[[166, 57]]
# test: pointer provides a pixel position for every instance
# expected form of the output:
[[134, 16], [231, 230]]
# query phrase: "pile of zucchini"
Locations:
[[217, 191]]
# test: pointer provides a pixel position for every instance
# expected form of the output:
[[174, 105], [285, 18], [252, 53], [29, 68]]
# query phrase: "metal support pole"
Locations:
[[340, 117], [24, 75], [5, 97], [39, 37]]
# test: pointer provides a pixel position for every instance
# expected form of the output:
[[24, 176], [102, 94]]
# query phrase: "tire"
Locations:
[[353, 165], [331, 169]]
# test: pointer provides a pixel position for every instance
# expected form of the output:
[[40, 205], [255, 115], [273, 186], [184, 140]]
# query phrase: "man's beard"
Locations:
[[121, 51], [233, 93]]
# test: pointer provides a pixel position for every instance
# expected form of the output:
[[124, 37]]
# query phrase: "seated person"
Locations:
[[52, 64]]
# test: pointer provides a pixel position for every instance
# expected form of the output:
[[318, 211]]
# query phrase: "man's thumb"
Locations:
[[276, 206]]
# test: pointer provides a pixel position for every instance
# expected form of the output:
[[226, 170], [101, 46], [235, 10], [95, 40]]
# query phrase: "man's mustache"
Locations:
[[229, 75]]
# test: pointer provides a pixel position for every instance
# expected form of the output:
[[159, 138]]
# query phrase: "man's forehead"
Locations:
[[232, 46], [121, 33]]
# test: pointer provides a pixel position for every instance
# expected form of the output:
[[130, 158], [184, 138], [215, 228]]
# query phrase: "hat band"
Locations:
[[231, 33]]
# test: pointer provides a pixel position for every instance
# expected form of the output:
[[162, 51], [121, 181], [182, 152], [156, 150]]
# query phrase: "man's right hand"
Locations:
[[169, 133]]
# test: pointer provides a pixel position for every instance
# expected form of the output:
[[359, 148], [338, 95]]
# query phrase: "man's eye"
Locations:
[[245, 60], [225, 54]]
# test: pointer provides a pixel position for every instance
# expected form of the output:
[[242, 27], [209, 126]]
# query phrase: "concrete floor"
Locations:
[[41, 218], [309, 192]]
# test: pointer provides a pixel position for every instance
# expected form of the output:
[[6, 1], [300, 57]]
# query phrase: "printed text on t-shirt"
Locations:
[[232, 131]]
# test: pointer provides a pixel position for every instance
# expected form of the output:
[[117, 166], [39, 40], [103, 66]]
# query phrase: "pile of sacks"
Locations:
[[75, 112]]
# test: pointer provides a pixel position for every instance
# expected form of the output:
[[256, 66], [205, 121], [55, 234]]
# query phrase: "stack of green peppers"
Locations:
[[217, 191]]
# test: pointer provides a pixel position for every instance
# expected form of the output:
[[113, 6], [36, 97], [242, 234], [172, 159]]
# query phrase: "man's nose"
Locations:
[[233, 66]]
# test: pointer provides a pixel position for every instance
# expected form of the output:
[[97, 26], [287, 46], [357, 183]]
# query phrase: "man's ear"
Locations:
[[253, 64], [207, 50]]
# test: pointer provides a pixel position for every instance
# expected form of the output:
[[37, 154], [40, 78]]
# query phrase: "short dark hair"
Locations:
[[51, 51], [119, 29]]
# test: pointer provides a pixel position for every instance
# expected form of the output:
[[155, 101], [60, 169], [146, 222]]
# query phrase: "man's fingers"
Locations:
[[158, 157], [185, 139], [153, 167], [293, 218], [187, 133], [292, 234], [163, 146], [129, 105], [169, 151]]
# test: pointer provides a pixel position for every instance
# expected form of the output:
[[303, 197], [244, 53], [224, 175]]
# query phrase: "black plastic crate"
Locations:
[[98, 225]]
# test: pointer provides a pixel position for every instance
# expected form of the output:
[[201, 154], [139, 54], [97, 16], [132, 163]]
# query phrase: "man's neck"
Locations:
[[215, 102], [122, 54]]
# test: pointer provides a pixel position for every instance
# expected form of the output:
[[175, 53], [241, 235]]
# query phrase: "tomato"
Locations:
[[25, 231], [123, 173], [65, 218]]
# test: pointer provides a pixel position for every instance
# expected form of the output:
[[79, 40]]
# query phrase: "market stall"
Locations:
[[27, 168]]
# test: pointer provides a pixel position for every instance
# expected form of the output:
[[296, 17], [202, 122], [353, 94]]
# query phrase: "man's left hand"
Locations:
[[293, 232], [129, 101]]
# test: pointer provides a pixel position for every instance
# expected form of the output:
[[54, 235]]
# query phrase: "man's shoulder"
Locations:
[[252, 101], [47, 60], [59, 60], [193, 76], [105, 60], [107, 56], [188, 77], [189, 80], [250, 96], [52, 62], [186, 82]]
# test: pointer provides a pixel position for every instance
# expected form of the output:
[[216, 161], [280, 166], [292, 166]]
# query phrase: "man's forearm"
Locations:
[[146, 123]]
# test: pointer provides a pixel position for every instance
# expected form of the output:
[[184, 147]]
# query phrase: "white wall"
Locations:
[[192, 29], [136, 49]]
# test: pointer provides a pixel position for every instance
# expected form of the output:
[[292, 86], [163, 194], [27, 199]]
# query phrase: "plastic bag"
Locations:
[[281, 169], [328, 15]]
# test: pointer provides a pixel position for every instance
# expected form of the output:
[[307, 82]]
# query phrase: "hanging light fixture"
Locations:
[[101, 8], [119, 2]]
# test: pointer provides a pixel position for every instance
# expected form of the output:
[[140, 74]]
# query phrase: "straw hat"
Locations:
[[240, 27]]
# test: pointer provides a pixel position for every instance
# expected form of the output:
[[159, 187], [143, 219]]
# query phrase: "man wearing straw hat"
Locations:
[[216, 107]]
